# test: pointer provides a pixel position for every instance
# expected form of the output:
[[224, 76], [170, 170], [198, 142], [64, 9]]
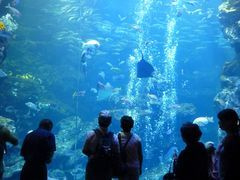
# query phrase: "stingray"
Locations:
[[144, 69]]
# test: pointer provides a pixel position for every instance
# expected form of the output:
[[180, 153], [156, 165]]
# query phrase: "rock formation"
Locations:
[[229, 17]]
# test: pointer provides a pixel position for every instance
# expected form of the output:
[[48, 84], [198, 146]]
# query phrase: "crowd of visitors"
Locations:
[[120, 155], [196, 162]]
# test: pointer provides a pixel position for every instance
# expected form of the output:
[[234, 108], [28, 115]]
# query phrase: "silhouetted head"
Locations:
[[228, 120], [210, 147], [46, 124], [190, 132], [127, 123], [104, 119]]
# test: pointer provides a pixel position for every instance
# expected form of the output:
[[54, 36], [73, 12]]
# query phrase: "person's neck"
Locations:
[[192, 143], [232, 131], [103, 130], [126, 132]]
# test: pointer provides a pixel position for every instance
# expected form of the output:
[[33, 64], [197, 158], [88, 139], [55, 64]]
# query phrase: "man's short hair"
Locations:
[[104, 119], [46, 124], [190, 132], [127, 123]]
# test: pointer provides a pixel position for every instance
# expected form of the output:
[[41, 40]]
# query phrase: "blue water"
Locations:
[[181, 39]]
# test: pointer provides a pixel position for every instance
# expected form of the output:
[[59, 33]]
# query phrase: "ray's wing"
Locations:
[[144, 69]]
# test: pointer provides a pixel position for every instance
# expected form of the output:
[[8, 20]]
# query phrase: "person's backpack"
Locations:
[[104, 146]]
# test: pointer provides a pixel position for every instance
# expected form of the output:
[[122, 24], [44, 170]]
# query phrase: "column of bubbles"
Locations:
[[136, 86], [165, 124]]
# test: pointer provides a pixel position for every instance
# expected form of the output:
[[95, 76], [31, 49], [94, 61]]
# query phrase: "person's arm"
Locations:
[[86, 147], [52, 149], [9, 137], [116, 148], [23, 148], [49, 157], [140, 156], [26, 147], [116, 145]]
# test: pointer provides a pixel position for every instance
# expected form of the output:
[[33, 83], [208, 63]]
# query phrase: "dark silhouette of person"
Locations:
[[100, 146], [228, 152], [130, 150], [5, 136], [38, 149], [212, 174], [192, 162]]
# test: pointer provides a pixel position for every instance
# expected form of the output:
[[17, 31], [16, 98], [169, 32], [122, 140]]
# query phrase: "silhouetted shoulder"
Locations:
[[136, 137], [91, 134]]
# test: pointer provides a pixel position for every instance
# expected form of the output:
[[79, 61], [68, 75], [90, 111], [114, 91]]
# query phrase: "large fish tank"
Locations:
[[193, 46]]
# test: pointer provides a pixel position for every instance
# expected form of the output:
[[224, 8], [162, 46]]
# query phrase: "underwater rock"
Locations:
[[229, 16], [229, 96], [72, 130], [231, 68], [57, 174], [230, 81], [13, 164], [70, 137], [226, 81]]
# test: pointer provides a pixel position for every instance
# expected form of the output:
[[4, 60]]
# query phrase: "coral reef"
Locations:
[[71, 134], [229, 95]]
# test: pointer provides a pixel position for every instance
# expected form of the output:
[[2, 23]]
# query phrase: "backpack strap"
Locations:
[[123, 153], [98, 135], [123, 147], [97, 132]]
